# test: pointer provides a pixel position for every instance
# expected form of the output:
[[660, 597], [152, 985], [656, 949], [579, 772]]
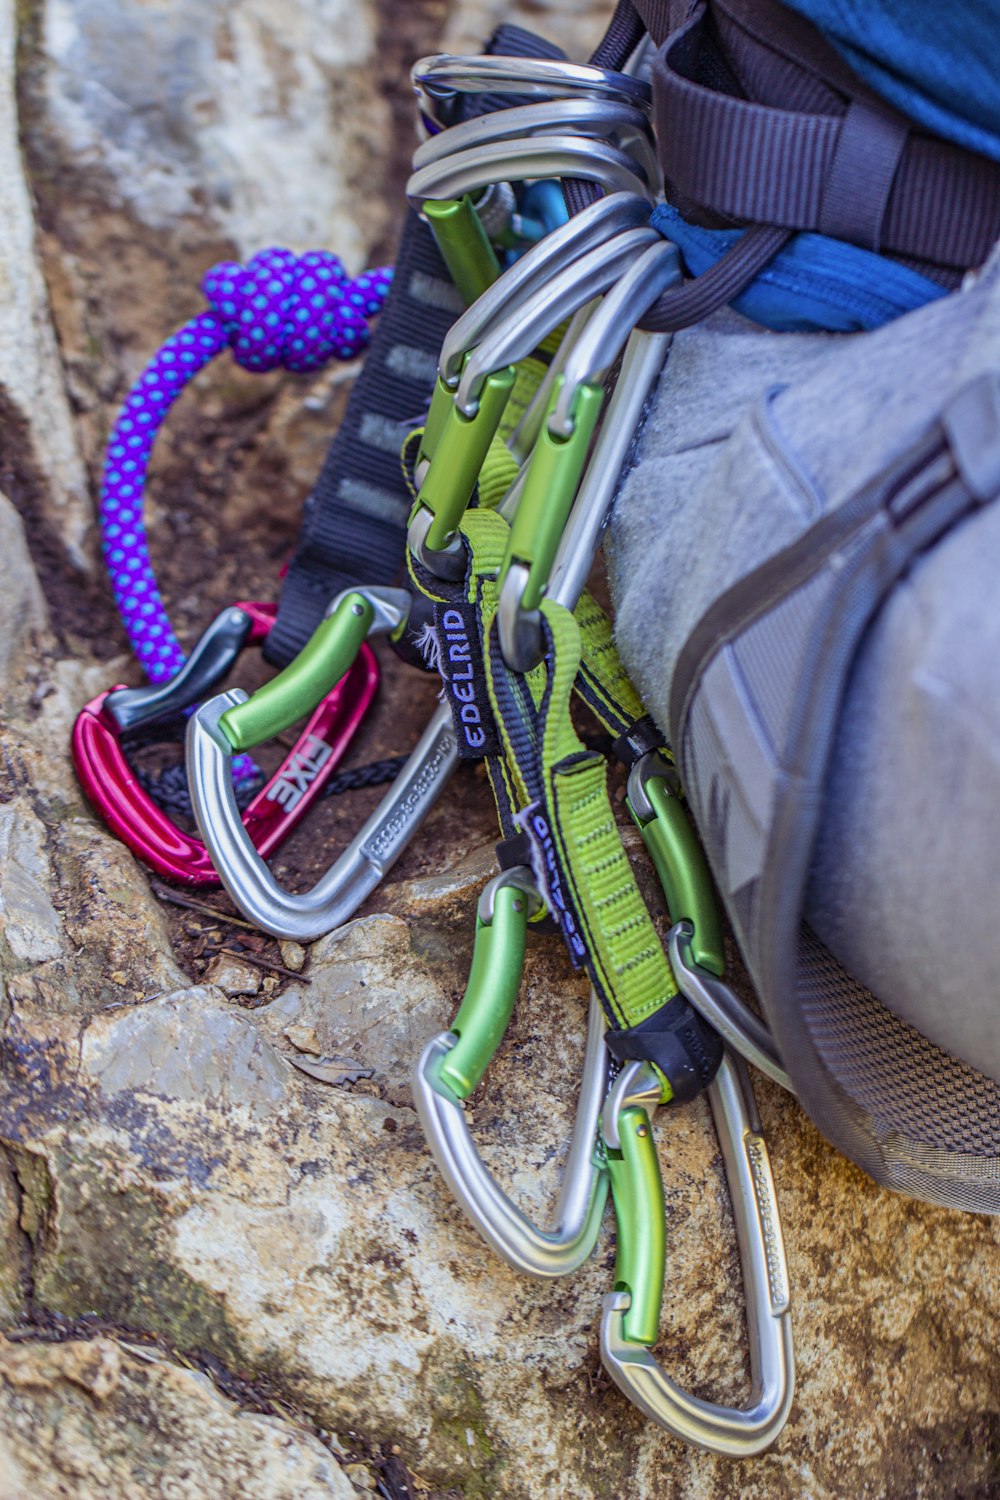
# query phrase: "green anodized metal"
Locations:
[[442, 401], [464, 245], [295, 692], [459, 451], [550, 488], [490, 995], [637, 1190], [684, 873]]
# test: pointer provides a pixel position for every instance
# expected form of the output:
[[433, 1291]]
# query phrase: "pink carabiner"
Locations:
[[127, 808]]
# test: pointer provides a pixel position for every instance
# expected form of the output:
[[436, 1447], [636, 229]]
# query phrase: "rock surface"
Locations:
[[104, 1420], [35, 418], [166, 1173]]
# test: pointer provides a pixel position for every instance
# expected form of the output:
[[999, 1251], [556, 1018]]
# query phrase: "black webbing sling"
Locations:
[[354, 526]]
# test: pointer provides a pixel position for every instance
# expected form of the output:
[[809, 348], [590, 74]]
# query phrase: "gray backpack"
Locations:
[[805, 563]]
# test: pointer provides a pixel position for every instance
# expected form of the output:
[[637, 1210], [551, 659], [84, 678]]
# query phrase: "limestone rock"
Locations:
[[231, 975], [22, 608], [259, 113], [106, 1421], [180, 1178], [32, 931], [293, 955], [36, 426]]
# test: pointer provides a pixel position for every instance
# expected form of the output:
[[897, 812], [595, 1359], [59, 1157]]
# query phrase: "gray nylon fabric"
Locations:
[[753, 436]]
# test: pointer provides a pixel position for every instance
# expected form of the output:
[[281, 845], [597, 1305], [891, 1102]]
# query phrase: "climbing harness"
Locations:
[[500, 593], [500, 478]]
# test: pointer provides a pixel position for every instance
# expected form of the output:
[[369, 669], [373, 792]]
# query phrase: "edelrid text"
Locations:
[[456, 659]]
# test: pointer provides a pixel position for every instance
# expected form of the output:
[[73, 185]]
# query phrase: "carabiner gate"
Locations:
[[454, 1062]]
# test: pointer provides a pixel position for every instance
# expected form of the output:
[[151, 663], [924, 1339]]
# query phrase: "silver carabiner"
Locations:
[[596, 350], [516, 336], [741, 1030], [589, 359], [484, 386], [438, 78], [521, 161], [541, 1253], [337, 894], [622, 125], [595, 225], [625, 1351]]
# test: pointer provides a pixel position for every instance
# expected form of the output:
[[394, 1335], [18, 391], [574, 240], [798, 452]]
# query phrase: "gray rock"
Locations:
[[184, 1046], [32, 932], [260, 114], [106, 1421], [22, 607], [36, 426], [231, 975]]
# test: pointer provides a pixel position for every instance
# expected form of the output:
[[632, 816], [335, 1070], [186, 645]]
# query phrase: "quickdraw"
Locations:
[[510, 481]]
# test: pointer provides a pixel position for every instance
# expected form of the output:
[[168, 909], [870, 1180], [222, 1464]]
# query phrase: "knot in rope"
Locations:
[[298, 311]]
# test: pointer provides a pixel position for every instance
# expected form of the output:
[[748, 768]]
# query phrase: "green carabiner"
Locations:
[[550, 487], [464, 245], [494, 980], [456, 450], [640, 1218], [323, 660], [656, 809]]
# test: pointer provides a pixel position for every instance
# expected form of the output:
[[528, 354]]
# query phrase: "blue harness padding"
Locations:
[[815, 284], [937, 63]]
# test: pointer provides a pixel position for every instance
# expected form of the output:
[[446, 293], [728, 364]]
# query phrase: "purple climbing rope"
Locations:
[[278, 309]]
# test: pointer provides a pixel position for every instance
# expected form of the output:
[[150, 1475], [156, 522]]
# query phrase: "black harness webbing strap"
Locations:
[[858, 171], [355, 519], [760, 122], [354, 527]]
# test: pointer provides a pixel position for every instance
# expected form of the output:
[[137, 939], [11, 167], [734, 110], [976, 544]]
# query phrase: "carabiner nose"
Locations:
[[629, 1322]]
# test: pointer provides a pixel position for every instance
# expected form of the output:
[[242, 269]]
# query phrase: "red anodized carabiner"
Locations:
[[127, 808]]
